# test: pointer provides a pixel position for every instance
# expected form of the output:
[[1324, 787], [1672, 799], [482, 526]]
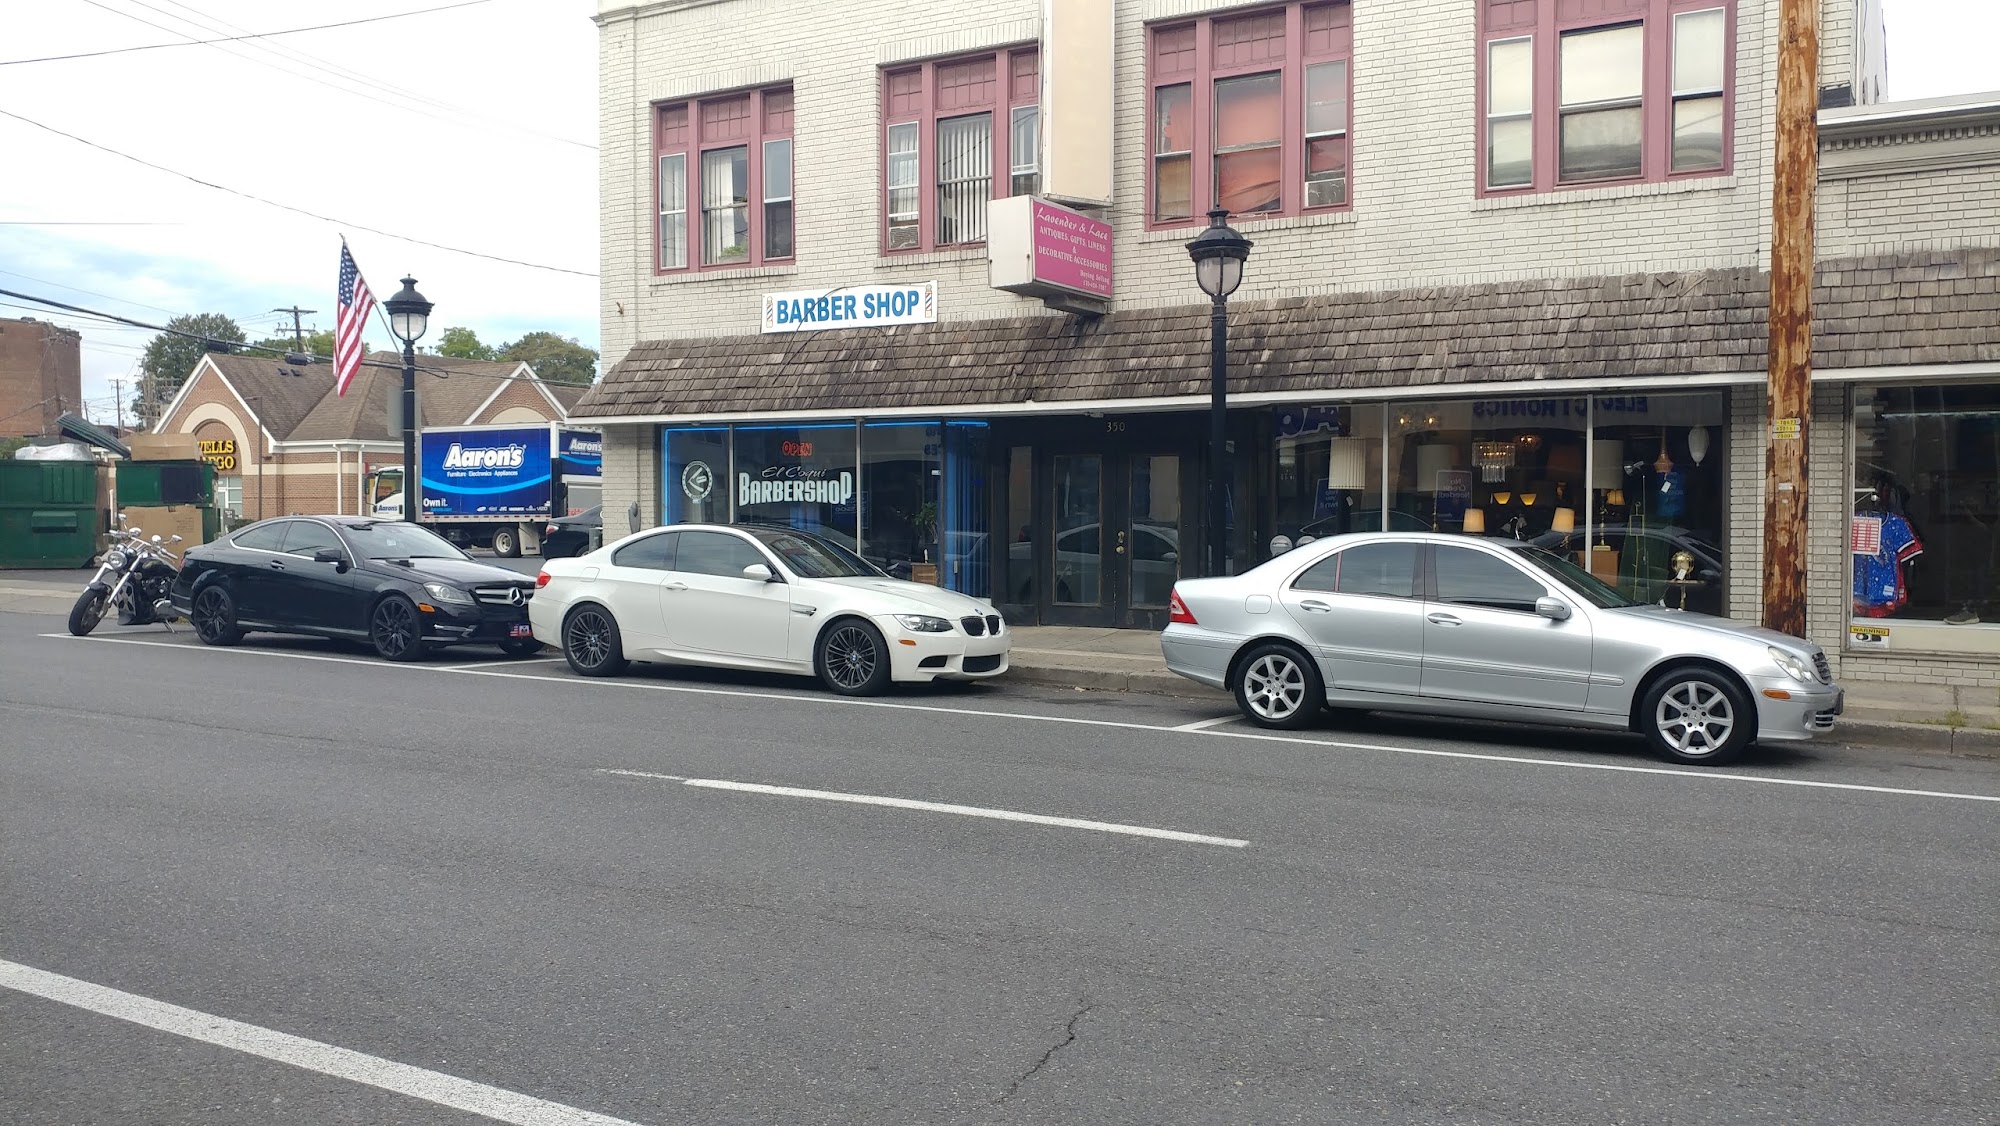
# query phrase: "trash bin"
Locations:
[[48, 514]]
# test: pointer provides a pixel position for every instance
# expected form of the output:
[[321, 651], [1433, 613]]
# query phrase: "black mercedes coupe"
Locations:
[[397, 586]]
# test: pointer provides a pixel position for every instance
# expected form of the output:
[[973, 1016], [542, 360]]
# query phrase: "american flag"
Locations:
[[349, 319]]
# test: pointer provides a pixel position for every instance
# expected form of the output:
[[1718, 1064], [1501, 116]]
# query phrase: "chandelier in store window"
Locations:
[[1494, 458]]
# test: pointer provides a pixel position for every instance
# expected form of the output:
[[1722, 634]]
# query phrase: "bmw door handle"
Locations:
[[1316, 607], [1443, 619], [675, 586]]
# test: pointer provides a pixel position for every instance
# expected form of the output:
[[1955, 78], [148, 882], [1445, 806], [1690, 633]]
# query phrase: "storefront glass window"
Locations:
[[965, 506], [1657, 489], [1329, 462], [1019, 579], [801, 476], [1496, 467], [1926, 518], [1079, 530], [901, 468], [694, 477]]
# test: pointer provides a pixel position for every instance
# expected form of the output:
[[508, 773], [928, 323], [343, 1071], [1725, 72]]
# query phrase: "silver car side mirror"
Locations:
[[760, 573], [1554, 609]]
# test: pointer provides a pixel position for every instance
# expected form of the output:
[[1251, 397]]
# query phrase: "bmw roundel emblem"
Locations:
[[697, 480]]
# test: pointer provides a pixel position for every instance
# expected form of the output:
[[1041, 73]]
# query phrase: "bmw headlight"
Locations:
[[923, 623], [1794, 666], [450, 595]]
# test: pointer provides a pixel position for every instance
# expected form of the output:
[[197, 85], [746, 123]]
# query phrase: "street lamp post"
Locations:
[[409, 316], [1218, 253]]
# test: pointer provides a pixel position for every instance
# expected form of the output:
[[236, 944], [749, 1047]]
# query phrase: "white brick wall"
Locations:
[[1929, 209], [1417, 219]]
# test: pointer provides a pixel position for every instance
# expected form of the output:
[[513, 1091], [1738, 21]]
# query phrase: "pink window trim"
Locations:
[[1008, 92], [1201, 80], [1656, 116], [759, 127]]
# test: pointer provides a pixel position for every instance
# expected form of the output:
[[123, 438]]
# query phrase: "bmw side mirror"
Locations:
[[760, 573], [1554, 609]]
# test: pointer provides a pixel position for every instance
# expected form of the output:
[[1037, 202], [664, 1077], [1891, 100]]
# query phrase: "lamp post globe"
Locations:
[[1219, 253], [409, 317]]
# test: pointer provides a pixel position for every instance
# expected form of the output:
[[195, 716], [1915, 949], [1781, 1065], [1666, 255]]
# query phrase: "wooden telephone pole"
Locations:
[[1789, 404]]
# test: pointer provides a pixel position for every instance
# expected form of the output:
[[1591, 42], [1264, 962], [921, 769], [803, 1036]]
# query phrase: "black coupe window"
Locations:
[[263, 537], [305, 537]]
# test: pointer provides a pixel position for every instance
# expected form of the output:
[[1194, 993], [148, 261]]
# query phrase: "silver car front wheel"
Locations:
[[1696, 716], [1276, 686]]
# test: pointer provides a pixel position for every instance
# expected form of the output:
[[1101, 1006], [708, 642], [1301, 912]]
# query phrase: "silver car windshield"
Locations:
[[1593, 589]]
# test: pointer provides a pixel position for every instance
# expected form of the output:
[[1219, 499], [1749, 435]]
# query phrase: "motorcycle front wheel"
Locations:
[[88, 611]]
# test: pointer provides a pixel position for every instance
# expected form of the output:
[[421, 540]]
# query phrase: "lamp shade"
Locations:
[[1607, 468], [1218, 254], [1431, 461], [1698, 443], [1347, 463], [409, 313], [1563, 521], [1475, 521]]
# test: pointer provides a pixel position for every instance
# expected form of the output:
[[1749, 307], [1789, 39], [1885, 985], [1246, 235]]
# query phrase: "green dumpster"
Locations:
[[48, 513], [156, 484]]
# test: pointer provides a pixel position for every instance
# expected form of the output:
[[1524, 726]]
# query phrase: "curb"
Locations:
[[1961, 742]]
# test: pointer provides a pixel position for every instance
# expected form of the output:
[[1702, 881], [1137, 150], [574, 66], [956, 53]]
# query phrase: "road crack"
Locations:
[[1068, 1038]]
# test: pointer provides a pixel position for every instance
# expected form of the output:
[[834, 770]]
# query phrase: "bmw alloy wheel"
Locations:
[[587, 638], [1274, 687], [1695, 718], [851, 657]]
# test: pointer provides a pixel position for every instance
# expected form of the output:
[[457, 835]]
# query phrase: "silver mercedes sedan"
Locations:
[[1440, 624]]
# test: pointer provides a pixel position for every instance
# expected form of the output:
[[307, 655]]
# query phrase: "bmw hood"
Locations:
[[463, 572], [924, 595], [1726, 627]]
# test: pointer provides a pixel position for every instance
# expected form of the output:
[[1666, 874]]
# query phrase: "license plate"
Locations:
[[522, 630]]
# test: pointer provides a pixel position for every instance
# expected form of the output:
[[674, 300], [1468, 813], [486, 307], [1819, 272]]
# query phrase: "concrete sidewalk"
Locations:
[[1911, 716]]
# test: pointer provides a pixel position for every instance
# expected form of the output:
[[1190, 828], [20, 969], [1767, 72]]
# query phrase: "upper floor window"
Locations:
[[956, 134], [1609, 92], [1249, 112], [725, 180]]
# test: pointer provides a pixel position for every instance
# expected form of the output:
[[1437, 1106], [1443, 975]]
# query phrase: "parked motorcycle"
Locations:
[[135, 577]]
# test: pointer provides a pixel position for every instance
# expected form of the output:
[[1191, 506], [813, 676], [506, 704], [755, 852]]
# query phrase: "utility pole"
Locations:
[[118, 397], [1789, 401], [298, 334]]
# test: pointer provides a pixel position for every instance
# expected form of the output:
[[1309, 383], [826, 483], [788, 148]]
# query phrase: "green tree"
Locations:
[[462, 343], [558, 359], [317, 344], [171, 356]]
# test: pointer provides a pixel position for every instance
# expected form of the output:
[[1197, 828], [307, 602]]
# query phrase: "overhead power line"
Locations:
[[236, 38], [290, 208]]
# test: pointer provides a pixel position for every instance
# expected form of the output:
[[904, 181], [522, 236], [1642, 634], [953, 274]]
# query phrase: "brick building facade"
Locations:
[[41, 376], [1508, 272]]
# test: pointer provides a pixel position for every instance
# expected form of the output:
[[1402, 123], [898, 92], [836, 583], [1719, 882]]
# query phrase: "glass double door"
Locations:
[[1114, 537]]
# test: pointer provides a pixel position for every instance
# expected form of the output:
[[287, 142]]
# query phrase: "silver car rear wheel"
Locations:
[[1276, 686], [1697, 717]]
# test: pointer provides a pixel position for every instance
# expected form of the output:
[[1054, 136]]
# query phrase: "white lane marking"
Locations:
[[511, 661], [641, 774], [341, 1063], [1337, 744], [941, 807], [1205, 724]]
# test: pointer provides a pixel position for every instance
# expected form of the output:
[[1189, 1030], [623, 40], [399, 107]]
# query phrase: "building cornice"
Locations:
[[1930, 135]]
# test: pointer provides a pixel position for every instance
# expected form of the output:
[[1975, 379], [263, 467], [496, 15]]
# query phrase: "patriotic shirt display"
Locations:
[[1879, 588]]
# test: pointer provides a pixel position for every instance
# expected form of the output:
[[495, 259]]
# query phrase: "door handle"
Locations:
[[1120, 549], [1317, 607], [675, 586], [1443, 619], [277, 564]]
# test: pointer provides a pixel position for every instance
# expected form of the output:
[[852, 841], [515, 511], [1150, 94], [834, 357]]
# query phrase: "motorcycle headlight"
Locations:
[[114, 559], [450, 595], [1793, 665], [923, 623]]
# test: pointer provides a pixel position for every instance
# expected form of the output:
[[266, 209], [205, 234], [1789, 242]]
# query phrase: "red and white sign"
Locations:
[[1038, 249], [1865, 535]]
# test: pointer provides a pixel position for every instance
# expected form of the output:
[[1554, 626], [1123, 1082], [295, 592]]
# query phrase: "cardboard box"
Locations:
[[164, 447], [183, 520]]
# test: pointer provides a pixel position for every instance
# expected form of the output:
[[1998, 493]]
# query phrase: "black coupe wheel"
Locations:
[[214, 617], [396, 630], [88, 611], [591, 642], [853, 659]]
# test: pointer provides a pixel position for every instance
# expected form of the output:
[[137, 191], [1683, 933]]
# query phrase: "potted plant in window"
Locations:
[[925, 522]]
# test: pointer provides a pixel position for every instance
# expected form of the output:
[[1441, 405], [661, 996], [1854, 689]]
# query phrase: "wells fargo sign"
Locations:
[[219, 452]]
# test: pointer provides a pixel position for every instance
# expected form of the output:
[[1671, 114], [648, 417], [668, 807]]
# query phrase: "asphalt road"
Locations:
[[435, 868]]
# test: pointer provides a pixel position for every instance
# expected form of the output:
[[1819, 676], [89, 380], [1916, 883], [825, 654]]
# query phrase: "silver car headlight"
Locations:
[[1794, 666], [923, 623], [449, 595]]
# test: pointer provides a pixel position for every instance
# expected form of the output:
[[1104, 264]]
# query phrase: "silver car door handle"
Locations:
[[1443, 619], [1317, 607], [676, 586]]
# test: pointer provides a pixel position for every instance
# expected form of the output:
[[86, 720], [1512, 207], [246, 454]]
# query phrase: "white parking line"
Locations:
[[341, 1063], [1205, 724], [508, 662], [1082, 721], [940, 807]]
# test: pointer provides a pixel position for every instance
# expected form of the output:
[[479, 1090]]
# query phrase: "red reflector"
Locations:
[[1177, 611], [541, 580]]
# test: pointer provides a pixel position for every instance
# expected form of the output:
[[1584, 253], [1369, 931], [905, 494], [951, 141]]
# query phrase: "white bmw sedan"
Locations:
[[761, 597]]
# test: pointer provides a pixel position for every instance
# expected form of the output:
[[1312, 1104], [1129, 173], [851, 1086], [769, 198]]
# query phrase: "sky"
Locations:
[[473, 127]]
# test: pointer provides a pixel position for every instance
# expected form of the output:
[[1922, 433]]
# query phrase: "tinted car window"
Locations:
[[654, 553], [1474, 578], [398, 539], [1388, 569], [304, 537], [264, 537], [716, 553]]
